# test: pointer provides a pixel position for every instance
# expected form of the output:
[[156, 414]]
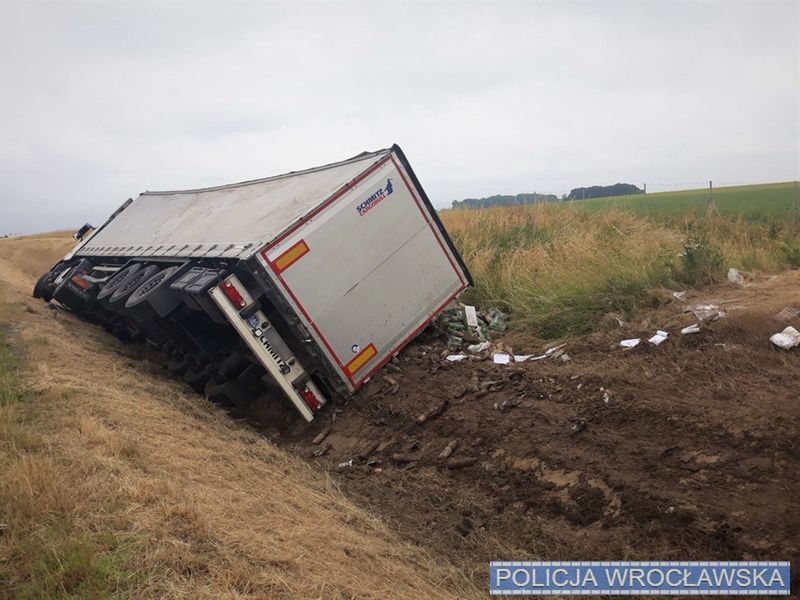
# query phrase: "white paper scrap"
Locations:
[[659, 337], [501, 358], [471, 315]]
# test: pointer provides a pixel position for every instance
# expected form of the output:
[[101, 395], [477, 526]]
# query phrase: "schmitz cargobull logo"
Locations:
[[371, 202]]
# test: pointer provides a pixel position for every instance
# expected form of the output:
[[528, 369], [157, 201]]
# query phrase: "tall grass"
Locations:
[[558, 269]]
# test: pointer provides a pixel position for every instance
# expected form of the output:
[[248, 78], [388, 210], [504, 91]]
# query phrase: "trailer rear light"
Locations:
[[80, 281], [233, 294], [310, 398]]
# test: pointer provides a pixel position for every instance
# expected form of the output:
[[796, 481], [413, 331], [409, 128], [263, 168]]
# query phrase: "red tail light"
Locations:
[[233, 294], [310, 399]]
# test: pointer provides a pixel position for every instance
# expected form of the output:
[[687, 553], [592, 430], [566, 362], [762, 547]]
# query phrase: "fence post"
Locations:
[[711, 207]]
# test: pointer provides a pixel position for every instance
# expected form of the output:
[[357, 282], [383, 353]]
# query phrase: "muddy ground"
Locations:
[[690, 450]]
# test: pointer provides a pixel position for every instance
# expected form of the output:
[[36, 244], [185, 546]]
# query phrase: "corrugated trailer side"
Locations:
[[368, 269], [300, 285]]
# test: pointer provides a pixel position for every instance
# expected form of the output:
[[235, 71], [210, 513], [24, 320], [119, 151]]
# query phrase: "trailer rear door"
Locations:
[[368, 269]]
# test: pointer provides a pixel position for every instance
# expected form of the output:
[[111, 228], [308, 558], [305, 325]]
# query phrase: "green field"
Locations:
[[757, 203]]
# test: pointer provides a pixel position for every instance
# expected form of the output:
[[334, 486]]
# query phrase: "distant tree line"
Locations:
[[604, 191], [500, 200]]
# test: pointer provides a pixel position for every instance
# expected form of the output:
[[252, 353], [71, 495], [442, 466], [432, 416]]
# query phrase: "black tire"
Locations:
[[42, 289], [198, 376], [118, 279], [177, 366], [238, 392], [233, 365], [150, 285], [130, 284]]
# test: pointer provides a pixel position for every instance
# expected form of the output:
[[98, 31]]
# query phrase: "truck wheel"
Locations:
[[238, 392], [130, 284], [233, 365], [177, 366], [150, 285], [42, 289], [118, 279], [197, 376]]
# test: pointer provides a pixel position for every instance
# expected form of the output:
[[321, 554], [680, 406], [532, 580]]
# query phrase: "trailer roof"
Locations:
[[231, 221]]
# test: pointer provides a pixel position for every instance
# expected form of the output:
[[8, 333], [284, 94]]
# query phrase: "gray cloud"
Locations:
[[103, 100]]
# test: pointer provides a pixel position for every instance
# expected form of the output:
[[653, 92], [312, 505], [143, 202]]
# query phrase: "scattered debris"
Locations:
[[501, 406], [632, 343], [432, 412], [500, 358], [706, 313], [691, 329], [455, 357], [497, 320], [321, 450], [606, 396], [579, 426], [478, 348], [659, 337], [471, 316], [735, 277], [345, 465], [680, 296], [787, 313], [553, 352], [787, 339], [321, 436], [391, 366], [395, 386], [454, 342], [565, 357], [448, 450]]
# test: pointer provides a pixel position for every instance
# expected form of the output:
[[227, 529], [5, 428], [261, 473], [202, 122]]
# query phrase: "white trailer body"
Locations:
[[354, 250]]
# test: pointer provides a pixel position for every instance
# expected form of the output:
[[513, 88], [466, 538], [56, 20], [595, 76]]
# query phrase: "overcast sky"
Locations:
[[100, 101]]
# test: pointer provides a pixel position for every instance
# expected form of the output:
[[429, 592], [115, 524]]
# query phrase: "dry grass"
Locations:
[[117, 481], [559, 269]]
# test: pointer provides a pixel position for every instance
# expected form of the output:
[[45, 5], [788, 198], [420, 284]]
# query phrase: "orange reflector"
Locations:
[[292, 255], [361, 359], [80, 282]]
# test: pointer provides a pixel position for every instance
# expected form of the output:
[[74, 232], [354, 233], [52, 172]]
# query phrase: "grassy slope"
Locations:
[[116, 481]]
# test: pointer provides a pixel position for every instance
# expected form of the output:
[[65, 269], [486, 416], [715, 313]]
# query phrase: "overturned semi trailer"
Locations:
[[299, 286]]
